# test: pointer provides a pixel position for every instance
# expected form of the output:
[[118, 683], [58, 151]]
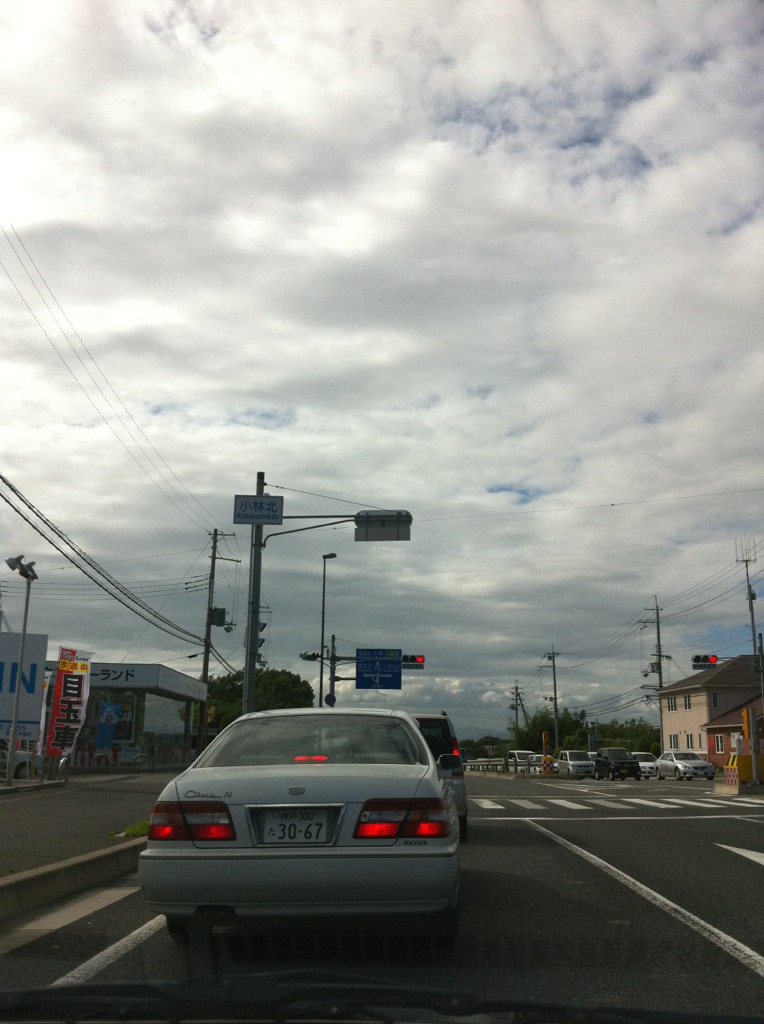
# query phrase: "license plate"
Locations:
[[295, 827]]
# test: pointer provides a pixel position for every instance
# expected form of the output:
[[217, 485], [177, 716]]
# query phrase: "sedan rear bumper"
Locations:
[[184, 885]]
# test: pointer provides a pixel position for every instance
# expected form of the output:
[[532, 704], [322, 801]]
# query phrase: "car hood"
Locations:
[[314, 783]]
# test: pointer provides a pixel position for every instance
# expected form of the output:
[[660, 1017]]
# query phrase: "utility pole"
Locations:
[[745, 552], [253, 616], [552, 656], [201, 732], [657, 665], [515, 706]]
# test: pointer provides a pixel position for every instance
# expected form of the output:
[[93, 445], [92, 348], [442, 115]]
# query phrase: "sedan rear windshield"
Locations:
[[314, 739]]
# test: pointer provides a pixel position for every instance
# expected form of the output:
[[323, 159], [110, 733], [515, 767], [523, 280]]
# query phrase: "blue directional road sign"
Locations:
[[377, 669]]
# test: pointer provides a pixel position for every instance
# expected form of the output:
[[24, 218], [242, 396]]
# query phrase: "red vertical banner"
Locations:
[[70, 700]]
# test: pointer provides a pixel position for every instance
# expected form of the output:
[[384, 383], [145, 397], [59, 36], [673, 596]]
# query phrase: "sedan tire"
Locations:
[[677, 775]]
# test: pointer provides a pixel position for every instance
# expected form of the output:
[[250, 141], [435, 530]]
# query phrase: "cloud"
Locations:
[[496, 264]]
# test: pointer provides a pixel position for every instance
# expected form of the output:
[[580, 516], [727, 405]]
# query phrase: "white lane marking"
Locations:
[[102, 960], [743, 954], [696, 803], [488, 805], [72, 910], [608, 803], [528, 804], [568, 803], [647, 803], [753, 855]]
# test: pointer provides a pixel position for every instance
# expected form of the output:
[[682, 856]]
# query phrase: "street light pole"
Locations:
[[333, 554], [28, 573]]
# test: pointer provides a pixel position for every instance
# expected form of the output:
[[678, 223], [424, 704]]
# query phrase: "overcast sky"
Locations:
[[496, 263]]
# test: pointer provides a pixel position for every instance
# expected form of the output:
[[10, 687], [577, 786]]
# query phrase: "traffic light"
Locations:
[[704, 661], [746, 723], [412, 661]]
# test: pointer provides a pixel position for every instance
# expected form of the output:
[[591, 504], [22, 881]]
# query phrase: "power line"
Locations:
[[190, 506], [96, 573]]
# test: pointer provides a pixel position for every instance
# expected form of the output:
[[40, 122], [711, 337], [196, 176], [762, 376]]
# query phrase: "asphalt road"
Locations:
[[632, 894]]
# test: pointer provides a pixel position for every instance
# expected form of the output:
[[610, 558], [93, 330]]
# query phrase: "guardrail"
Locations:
[[495, 764]]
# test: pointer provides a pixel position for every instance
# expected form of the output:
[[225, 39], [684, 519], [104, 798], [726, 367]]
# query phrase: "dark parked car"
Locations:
[[616, 763]]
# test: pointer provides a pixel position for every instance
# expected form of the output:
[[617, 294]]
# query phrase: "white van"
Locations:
[[576, 764]]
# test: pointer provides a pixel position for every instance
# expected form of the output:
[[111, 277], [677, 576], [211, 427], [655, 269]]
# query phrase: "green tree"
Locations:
[[274, 688], [277, 688]]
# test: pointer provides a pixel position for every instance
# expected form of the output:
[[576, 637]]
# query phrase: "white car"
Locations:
[[22, 762], [307, 813], [576, 764], [647, 763], [688, 765]]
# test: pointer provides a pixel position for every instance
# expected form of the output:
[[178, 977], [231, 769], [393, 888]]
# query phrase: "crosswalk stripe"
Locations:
[[647, 803], [698, 803], [622, 804]]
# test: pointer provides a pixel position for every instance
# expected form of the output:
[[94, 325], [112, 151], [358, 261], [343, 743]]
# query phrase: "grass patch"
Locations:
[[135, 831]]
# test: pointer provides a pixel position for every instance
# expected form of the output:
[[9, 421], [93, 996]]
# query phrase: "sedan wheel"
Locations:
[[463, 829], [677, 775], [658, 776]]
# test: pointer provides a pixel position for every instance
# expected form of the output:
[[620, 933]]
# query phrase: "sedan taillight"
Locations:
[[402, 819], [203, 821]]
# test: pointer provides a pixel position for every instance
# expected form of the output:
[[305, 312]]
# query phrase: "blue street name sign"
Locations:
[[377, 669]]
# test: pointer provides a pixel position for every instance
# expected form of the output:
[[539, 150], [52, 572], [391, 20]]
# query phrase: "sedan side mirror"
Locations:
[[450, 762]]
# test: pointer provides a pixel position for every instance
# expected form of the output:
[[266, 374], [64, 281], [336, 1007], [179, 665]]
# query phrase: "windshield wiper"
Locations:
[[305, 996]]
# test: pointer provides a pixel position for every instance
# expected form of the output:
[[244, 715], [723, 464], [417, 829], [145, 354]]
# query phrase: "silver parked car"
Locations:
[[647, 763], [687, 765], [304, 813], [575, 764]]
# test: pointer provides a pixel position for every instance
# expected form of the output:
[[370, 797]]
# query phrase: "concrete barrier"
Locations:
[[39, 886]]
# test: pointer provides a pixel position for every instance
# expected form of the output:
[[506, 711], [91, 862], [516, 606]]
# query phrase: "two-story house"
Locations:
[[704, 711]]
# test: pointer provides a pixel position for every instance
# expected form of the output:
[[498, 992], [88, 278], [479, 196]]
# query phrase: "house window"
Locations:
[[700, 741], [689, 741], [714, 700], [673, 741], [671, 703], [719, 742], [687, 702]]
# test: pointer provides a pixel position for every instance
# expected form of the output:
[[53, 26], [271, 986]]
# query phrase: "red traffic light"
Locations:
[[412, 661], [703, 661]]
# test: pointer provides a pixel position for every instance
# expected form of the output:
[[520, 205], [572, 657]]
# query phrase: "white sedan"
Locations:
[[306, 813]]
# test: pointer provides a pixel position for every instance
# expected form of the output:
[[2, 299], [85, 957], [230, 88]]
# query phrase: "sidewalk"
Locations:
[[59, 838]]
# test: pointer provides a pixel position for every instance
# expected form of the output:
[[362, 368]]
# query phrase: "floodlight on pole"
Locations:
[[333, 554], [27, 572]]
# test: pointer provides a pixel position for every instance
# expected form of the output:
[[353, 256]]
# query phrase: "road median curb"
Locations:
[[39, 886]]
